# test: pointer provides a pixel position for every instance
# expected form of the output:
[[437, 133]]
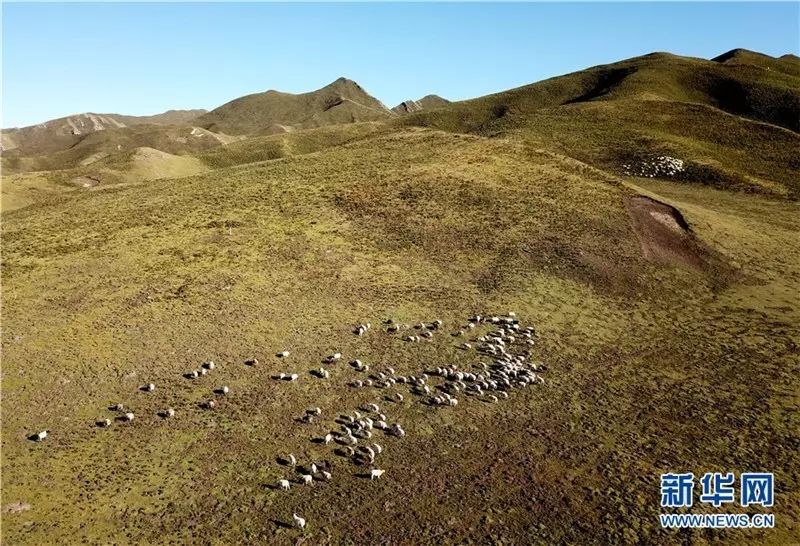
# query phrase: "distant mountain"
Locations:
[[788, 64], [425, 103], [59, 134], [343, 101]]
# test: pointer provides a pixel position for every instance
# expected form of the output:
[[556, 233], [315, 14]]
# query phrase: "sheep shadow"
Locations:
[[282, 524]]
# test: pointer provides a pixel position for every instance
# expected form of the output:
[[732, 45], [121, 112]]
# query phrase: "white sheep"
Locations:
[[39, 436], [149, 387], [209, 365], [169, 413], [298, 521], [378, 448], [128, 417], [104, 423], [283, 354], [307, 478], [284, 484], [326, 475], [327, 438], [291, 459], [224, 390], [375, 473]]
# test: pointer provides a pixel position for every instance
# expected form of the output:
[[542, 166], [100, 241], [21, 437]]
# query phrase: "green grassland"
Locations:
[[287, 241]]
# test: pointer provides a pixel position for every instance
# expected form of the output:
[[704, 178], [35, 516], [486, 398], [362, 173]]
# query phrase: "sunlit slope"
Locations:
[[171, 139], [342, 101], [105, 290], [734, 121], [62, 133]]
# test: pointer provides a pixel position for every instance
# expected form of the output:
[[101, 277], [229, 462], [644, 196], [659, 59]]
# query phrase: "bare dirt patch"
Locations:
[[667, 238]]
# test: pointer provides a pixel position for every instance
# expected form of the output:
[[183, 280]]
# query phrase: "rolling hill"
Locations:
[[667, 322], [343, 101], [59, 134], [734, 124]]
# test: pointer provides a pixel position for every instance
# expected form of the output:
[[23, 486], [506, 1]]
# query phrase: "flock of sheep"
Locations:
[[507, 345], [662, 165]]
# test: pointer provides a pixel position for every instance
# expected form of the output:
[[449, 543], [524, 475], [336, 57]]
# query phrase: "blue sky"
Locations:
[[60, 59]]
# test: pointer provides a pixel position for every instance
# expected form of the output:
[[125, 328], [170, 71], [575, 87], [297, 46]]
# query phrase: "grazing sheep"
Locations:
[[148, 388], [194, 374], [169, 413], [298, 521], [291, 460], [327, 438], [251, 362], [284, 484], [209, 365], [375, 473], [307, 478], [314, 411], [326, 475], [396, 430], [378, 449], [398, 397], [40, 436], [333, 358], [203, 371], [282, 354], [209, 404], [223, 390], [128, 417], [117, 407], [103, 423]]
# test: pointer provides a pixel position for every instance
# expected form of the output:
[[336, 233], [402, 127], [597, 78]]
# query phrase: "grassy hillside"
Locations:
[[342, 101], [665, 308], [265, 148], [734, 124], [172, 139], [686, 360], [62, 133]]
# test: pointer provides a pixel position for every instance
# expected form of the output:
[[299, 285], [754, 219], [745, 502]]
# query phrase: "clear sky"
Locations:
[[60, 59]]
